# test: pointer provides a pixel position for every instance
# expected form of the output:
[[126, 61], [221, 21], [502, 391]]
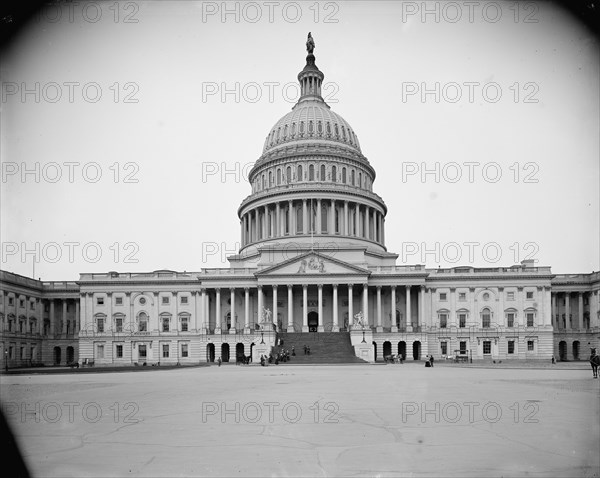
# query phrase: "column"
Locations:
[[156, 316], [277, 220], [452, 318], [64, 317], [259, 315], [218, 311], [332, 218], [174, 317], [554, 312], [320, 328], [501, 319], [275, 307], [82, 314], [567, 310], [318, 225], [194, 324], [379, 221], [382, 229], [393, 310], [547, 307], [345, 218], [350, 307], [594, 306], [304, 308], [255, 228], [367, 220], [408, 311], [265, 222], [290, 326], [232, 329], [379, 326], [52, 317], [304, 217], [580, 311], [203, 317], [357, 220], [421, 314], [291, 229], [246, 310], [366, 305], [77, 317]]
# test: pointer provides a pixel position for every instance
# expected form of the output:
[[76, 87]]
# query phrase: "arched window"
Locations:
[[301, 128], [311, 173], [299, 178], [293, 130], [311, 127], [486, 317], [360, 180], [328, 128], [288, 174], [270, 178], [278, 177], [264, 182], [285, 131], [319, 128], [344, 175], [337, 132], [352, 178], [344, 133], [142, 322], [334, 174], [322, 178]]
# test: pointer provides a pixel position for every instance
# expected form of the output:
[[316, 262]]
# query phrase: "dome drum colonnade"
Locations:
[[312, 178]]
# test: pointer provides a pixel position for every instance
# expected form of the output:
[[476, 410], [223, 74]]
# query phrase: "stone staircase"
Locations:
[[325, 347]]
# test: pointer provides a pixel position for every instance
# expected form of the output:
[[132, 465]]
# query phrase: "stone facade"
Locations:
[[312, 259]]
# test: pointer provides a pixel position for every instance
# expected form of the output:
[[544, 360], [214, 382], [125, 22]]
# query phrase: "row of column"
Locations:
[[557, 316], [270, 317], [281, 219], [38, 314]]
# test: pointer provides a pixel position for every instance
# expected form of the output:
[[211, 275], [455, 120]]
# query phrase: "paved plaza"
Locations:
[[286, 420]]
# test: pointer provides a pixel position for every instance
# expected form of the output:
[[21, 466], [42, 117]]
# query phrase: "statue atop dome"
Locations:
[[310, 44]]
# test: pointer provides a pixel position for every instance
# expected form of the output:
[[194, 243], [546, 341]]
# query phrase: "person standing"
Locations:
[[431, 360]]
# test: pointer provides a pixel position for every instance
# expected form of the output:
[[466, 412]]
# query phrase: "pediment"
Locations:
[[313, 264]]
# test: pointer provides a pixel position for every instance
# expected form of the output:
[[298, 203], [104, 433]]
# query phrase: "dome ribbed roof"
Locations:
[[309, 121]]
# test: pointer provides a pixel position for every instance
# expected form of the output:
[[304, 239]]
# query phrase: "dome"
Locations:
[[308, 121]]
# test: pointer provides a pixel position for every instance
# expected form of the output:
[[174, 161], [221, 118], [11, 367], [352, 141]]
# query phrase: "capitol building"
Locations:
[[313, 263]]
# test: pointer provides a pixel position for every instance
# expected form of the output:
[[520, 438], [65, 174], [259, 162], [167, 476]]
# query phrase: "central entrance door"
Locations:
[[313, 321]]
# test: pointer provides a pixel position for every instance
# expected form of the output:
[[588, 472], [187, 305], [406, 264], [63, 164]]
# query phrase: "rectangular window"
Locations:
[[184, 299], [119, 351], [100, 300], [487, 347], [510, 296], [165, 350], [443, 320], [100, 325], [485, 320], [462, 296], [118, 300], [510, 319], [21, 303], [184, 350], [463, 347], [32, 305], [11, 352], [165, 325], [141, 351], [143, 325], [530, 345], [165, 300], [11, 301], [23, 354], [100, 352], [511, 346], [184, 324], [444, 348], [442, 296], [119, 324], [462, 320], [530, 316], [529, 295]]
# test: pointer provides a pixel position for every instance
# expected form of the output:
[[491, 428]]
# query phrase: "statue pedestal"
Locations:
[[290, 328], [232, 330], [394, 329], [379, 329], [335, 328], [218, 331], [320, 328], [304, 328]]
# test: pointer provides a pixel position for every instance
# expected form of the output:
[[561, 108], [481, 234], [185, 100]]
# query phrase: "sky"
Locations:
[[127, 129]]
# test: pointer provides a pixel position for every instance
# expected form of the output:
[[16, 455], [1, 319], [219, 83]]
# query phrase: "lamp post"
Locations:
[[6, 360]]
